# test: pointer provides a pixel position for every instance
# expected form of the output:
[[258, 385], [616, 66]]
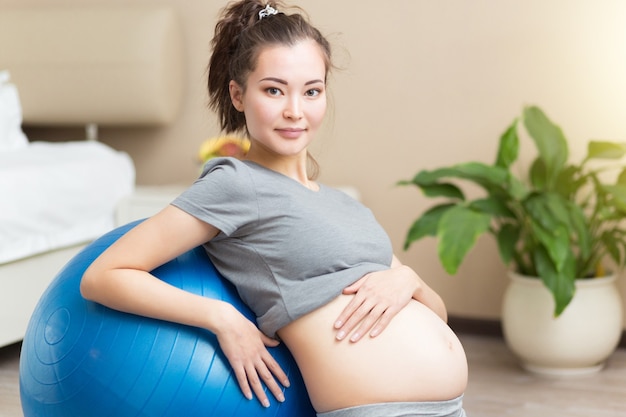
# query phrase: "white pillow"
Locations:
[[11, 134]]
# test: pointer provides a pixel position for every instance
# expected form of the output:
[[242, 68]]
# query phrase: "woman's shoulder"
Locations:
[[223, 195], [222, 179], [232, 167], [227, 164], [227, 171]]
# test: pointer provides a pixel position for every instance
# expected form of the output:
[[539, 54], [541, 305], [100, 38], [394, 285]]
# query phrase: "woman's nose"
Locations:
[[293, 109]]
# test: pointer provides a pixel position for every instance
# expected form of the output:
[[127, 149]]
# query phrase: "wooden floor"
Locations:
[[9, 390], [498, 387]]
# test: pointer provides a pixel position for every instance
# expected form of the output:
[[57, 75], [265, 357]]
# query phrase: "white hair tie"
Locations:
[[267, 11]]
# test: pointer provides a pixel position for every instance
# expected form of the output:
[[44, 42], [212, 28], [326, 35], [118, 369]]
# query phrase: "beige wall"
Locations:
[[425, 83]]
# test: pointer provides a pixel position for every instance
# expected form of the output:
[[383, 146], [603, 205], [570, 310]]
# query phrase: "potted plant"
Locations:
[[558, 223]]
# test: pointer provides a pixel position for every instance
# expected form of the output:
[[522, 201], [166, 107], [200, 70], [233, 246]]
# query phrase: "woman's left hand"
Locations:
[[378, 297]]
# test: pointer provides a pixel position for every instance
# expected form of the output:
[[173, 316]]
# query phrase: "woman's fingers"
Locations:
[[375, 323], [378, 297], [265, 373], [257, 386], [276, 371], [366, 312], [242, 380], [346, 319], [260, 371], [352, 306], [253, 365]]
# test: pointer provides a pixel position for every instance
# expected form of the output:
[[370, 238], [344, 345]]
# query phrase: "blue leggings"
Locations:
[[448, 408]]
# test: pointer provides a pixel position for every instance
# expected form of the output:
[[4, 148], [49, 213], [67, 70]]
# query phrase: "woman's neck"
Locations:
[[294, 167]]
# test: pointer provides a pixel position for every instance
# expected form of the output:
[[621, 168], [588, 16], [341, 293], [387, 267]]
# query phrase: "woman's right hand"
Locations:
[[245, 346]]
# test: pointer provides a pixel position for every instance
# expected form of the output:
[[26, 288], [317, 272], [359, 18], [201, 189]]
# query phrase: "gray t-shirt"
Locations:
[[287, 249]]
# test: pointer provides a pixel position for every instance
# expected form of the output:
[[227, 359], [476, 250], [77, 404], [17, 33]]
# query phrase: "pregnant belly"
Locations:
[[416, 358]]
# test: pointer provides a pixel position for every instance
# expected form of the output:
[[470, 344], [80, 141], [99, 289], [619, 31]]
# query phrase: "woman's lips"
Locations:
[[291, 133]]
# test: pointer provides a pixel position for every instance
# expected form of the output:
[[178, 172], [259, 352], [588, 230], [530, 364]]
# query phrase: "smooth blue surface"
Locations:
[[82, 359]]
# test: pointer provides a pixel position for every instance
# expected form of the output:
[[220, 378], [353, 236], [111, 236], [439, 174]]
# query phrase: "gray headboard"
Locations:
[[117, 65]]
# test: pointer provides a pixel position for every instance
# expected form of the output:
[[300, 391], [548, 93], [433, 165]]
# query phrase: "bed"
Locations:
[[68, 66]]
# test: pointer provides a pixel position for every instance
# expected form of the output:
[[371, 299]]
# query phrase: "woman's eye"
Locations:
[[273, 91], [314, 92]]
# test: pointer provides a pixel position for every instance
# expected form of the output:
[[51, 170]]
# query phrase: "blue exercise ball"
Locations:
[[82, 359]]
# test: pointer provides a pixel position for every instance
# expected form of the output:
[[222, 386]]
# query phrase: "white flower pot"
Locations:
[[578, 341]]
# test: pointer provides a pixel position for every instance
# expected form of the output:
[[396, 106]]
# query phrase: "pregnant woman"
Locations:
[[368, 334]]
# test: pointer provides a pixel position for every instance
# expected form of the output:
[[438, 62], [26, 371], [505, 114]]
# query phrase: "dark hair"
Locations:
[[240, 35]]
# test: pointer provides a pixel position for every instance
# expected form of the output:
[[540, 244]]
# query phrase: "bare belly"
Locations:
[[416, 358]]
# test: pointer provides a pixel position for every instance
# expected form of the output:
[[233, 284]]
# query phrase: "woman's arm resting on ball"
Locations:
[[379, 296], [119, 278]]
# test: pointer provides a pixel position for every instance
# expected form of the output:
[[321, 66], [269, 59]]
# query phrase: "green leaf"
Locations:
[[547, 209], [458, 230], [516, 189], [480, 173], [621, 178], [560, 283], [426, 177], [549, 139], [549, 221], [507, 239], [509, 147], [492, 205], [427, 182], [538, 174], [443, 190], [580, 228], [556, 242], [619, 195], [615, 245], [605, 150], [569, 182], [427, 224]]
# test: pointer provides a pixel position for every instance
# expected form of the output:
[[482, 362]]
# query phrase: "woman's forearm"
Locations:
[[139, 292], [427, 296], [119, 277]]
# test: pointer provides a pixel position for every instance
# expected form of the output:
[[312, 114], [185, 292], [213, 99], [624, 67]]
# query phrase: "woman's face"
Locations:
[[284, 100]]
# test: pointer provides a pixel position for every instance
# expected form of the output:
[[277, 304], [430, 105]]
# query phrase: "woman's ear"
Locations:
[[236, 95]]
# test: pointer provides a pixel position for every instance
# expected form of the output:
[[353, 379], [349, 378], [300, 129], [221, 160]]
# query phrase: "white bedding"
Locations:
[[53, 195]]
